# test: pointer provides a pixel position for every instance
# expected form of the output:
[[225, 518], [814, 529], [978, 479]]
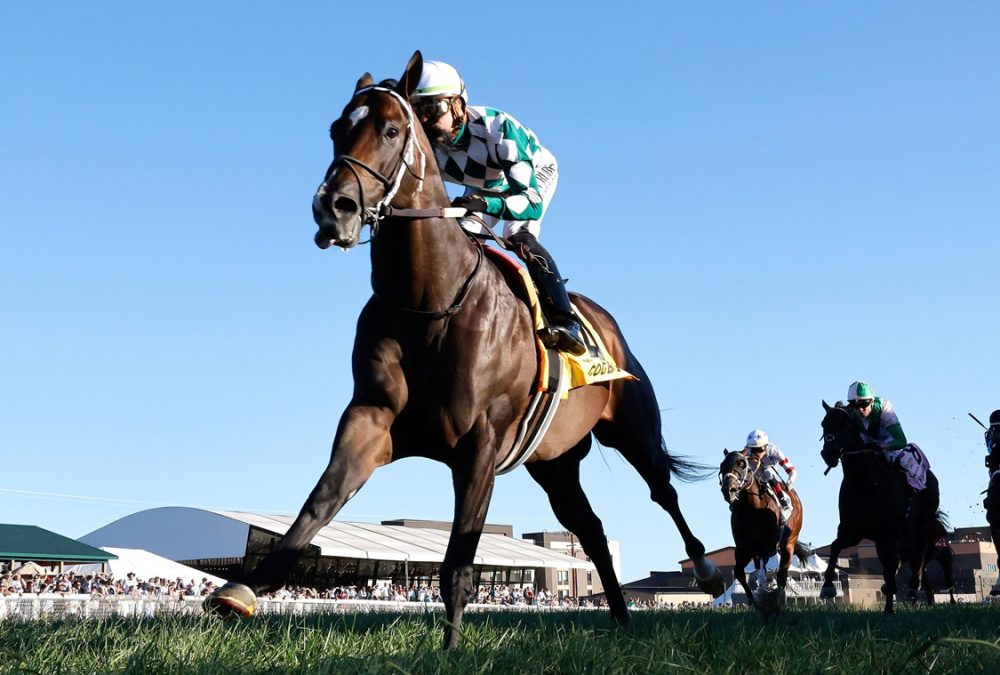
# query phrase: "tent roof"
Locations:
[[368, 541], [187, 533], [28, 542], [146, 565]]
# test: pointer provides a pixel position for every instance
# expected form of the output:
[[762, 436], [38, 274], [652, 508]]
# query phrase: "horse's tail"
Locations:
[[685, 469], [942, 520], [803, 551]]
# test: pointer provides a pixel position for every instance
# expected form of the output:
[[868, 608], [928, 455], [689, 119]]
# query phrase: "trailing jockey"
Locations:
[[764, 456], [507, 175], [880, 429]]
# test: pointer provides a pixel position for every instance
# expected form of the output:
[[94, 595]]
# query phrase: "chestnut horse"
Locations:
[[874, 505], [445, 365], [756, 522]]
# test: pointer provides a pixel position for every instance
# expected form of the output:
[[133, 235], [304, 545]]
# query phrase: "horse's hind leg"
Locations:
[[634, 431], [560, 478]]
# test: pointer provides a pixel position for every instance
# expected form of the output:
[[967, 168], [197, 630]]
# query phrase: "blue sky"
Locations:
[[774, 199]]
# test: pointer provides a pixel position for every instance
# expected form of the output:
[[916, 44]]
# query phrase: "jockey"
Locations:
[[876, 420], [993, 443], [507, 175], [768, 455]]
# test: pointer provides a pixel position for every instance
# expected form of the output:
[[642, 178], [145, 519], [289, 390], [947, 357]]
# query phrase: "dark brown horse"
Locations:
[[756, 521], [445, 365], [874, 505]]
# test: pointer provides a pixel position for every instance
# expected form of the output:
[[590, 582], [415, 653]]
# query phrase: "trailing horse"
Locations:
[[756, 523], [875, 504], [445, 365]]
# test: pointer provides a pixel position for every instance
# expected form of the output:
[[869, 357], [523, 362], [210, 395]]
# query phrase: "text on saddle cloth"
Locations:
[[596, 365], [915, 465]]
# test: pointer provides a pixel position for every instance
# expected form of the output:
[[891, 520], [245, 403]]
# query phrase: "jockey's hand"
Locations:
[[872, 445], [473, 203]]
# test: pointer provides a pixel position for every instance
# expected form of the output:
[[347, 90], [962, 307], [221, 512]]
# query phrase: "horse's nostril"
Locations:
[[345, 205]]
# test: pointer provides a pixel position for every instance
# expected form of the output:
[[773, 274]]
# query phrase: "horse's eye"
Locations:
[[391, 132]]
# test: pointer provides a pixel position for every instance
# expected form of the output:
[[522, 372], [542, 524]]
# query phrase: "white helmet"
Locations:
[[757, 439], [440, 79], [860, 390]]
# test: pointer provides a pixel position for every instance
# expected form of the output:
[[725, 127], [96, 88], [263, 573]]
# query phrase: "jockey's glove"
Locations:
[[473, 203]]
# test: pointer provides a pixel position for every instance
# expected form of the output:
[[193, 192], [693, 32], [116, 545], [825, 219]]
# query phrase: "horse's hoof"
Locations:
[[230, 601], [827, 593], [714, 585]]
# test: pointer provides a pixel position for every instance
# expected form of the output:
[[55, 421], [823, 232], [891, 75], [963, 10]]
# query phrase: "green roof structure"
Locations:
[[29, 542]]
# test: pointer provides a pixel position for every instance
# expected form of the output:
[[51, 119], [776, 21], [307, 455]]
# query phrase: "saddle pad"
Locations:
[[596, 365]]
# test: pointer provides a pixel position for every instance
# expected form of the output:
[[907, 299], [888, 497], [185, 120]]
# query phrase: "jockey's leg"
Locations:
[[551, 290]]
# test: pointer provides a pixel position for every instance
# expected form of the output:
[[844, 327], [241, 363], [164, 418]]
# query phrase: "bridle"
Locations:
[[743, 478], [374, 215]]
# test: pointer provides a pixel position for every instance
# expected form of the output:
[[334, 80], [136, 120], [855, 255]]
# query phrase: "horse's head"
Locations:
[[734, 475], [379, 152], [838, 433]]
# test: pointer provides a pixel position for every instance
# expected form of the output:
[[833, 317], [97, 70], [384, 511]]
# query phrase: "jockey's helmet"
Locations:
[[757, 439], [860, 390], [439, 79], [995, 418]]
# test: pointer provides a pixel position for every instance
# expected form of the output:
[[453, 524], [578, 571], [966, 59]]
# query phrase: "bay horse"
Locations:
[[445, 365], [874, 505], [755, 519]]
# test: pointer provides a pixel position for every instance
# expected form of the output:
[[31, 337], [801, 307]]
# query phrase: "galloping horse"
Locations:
[[445, 365], [756, 522], [873, 505]]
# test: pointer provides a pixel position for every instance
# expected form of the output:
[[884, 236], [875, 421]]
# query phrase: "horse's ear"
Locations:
[[411, 76], [826, 407], [366, 81]]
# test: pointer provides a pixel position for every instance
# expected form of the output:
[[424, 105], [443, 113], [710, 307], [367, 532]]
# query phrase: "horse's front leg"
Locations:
[[362, 444], [885, 547], [843, 540], [473, 474], [740, 573]]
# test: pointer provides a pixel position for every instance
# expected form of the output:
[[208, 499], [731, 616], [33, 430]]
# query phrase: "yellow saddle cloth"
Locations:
[[596, 365]]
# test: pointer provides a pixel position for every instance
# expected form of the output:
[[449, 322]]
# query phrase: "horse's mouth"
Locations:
[[327, 237]]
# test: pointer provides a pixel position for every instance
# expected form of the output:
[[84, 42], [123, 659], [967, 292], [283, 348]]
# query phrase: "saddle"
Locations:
[[558, 372]]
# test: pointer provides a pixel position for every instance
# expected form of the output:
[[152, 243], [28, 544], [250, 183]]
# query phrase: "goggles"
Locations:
[[430, 108], [862, 403]]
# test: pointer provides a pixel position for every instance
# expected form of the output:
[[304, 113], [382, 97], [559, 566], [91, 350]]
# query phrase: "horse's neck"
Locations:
[[755, 494], [421, 263]]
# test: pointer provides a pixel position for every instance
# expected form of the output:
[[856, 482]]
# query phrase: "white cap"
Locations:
[[757, 439], [438, 78]]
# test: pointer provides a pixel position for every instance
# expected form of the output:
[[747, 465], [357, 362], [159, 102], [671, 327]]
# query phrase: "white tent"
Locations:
[[145, 565], [811, 564]]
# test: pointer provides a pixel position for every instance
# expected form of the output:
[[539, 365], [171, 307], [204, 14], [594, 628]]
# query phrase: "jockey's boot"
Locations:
[[784, 501], [566, 334]]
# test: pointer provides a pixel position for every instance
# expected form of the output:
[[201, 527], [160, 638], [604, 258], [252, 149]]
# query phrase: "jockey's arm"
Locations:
[[521, 200], [790, 469], [897, 437]]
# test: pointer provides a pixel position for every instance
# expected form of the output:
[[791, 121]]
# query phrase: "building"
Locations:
[[226, 543], [567, 582], [28, 543]]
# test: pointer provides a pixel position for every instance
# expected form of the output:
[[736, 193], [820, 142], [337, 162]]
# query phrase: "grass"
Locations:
[[942, 639]]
